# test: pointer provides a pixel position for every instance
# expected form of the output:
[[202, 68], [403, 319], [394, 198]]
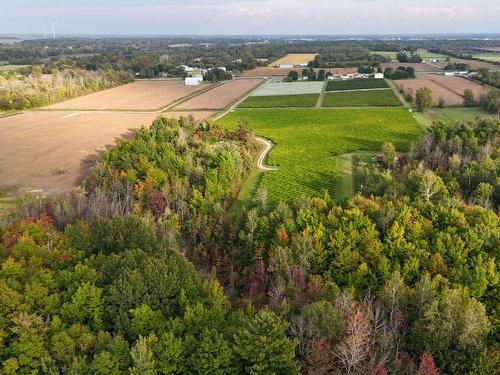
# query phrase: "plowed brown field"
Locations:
[[138, 95], [221, 96], [410, 86], [53, 151], [457, 84]]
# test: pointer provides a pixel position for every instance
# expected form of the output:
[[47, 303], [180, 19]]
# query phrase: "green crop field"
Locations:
[[281, 101], [461, 115], [357, 84], [389, 54], [374, 98], [424, 54], [309, 143], [488, 56]]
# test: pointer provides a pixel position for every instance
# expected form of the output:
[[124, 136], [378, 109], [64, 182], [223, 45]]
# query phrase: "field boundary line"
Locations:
[[187, 97], [434, 65], [321, 96], [447, 88], [237, 102], [393, 87], [9, 114]]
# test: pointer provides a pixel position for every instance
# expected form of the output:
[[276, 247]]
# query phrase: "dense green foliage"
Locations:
[[372, 98], [432, 268], [280, 101], [402, 72], [307, 141], [357, 84], [404, 284], [450, 161], [145, 271]]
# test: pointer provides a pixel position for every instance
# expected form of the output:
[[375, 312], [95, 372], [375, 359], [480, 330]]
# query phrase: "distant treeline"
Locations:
[[37, 89]]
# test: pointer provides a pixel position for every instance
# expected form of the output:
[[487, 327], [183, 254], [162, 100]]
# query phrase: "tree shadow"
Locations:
[[91, 160]]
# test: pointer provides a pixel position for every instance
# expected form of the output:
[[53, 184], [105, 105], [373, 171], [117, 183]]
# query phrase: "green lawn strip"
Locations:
[[309, 141], [245, 195], [344, 187], [462, 115], [280, 101], [357, 84], [377, 98]]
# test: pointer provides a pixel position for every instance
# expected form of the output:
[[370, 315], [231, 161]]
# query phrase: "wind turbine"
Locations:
[[53, 25], [43, 30]]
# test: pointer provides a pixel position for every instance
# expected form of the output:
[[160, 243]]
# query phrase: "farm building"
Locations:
[[347, 76], [193, 81], [187, 68], [454, 73]]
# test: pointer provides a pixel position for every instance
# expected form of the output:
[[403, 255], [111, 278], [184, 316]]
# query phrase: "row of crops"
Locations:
[[357, 84]]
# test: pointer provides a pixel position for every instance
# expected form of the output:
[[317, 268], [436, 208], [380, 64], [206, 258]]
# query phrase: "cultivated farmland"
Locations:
[[410, 86], [221, 96], [280, 101], [309, 141], [457, 84], [356, 84], [371, 98], [294, 59], [53, 151], [419, 67], [272, 88], [473, 64], [138, 95]]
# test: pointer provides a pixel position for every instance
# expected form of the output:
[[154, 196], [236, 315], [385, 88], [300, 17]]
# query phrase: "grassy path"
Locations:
[[344, 186], [321, 96]]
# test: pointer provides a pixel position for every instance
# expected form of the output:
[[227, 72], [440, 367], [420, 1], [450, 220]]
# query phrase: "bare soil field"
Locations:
[[221, 96], [419, 67], [294, 59], [53, 151], [457, 84], [266, 71], [473, 64], [138, 95], [412, 85], [493, 49]]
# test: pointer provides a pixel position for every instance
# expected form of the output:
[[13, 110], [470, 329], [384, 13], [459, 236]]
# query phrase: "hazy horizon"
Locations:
[[255, 17]]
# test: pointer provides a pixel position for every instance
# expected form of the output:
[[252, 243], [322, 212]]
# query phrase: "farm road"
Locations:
[[267, 147]]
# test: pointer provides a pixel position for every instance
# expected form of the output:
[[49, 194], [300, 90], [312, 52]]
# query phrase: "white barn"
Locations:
[[193, 81]]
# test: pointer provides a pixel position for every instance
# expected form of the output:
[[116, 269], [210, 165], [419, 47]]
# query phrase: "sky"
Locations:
[[238, 17]]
